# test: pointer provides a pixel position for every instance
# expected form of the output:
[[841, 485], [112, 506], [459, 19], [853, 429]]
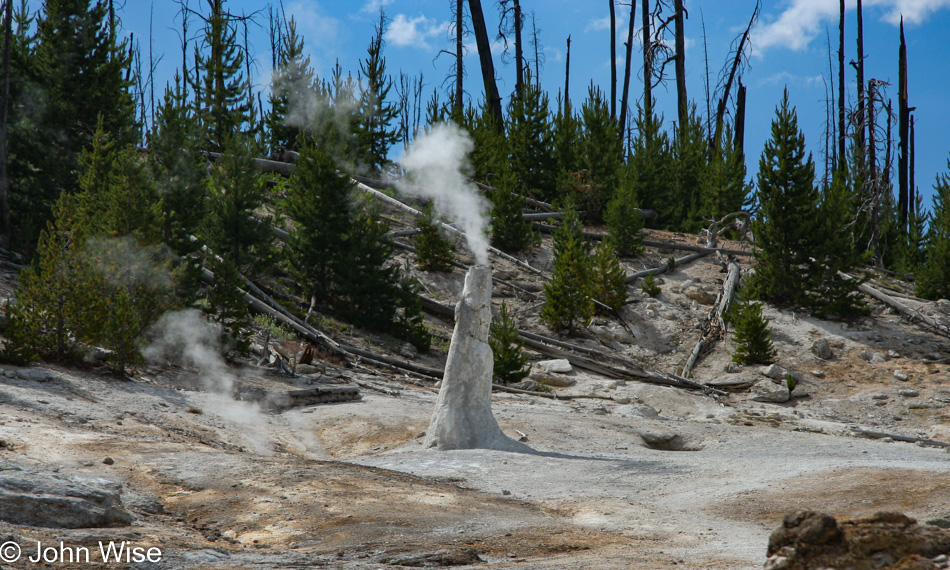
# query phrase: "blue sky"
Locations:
[[789, 49]]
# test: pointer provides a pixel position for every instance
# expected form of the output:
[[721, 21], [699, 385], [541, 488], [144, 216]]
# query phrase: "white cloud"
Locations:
[[318, 28], [786, 78], [404, 31], [803, 20], [374, 6], [497, 48], [598, 25]]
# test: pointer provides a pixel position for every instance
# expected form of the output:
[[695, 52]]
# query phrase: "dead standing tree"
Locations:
[[903, 128], [624, 101], [487, 65], [738, 54], [510, 23]]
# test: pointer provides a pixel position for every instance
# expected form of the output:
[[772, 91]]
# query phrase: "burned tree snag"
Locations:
[[613, 60], [682, 105], [647, 61], [485, 59], [859, 67], [903, 204], [624, 99], [841, 92], [567, 78], [519, 51], [737, 60], [459, 54], [911, 188], [739, 142], [6, 232]]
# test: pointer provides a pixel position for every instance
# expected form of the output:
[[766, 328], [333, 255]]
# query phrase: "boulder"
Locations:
[[529, 385], [699, 295], [822, 349], [771, 392], [35, 375], [661, 439], [552, 372], [55, 501], [611, 333], [809, 540]]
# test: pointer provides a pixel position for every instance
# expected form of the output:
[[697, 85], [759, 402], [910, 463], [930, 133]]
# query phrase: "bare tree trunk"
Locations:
[[911, 188], [625, 98], [859, 131], [887, 154], [682, 105], [721, 109], [537, 55], [647, 60], [903, 205], [842, 157], [709, 133], [459, 23], [872, 181], [739, 142], [567, 78], [6, 232], [613, 60], [488, 66], [519, 51]]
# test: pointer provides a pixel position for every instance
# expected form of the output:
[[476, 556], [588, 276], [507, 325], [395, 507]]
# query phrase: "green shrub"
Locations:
[[507, 349], [649, 286], [568, 305], [607, 281], [433, 248], [752, 336]]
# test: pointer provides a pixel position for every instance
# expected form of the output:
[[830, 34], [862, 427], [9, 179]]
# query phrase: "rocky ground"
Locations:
[[632, 474]]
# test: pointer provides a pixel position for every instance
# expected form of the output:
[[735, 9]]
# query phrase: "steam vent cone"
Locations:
[[462, 418]]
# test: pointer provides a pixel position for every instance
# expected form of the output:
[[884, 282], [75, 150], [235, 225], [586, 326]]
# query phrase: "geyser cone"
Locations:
[[462, 418]]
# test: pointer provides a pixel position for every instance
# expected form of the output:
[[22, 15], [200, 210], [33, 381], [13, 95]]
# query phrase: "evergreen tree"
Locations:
[[681, 210], [293, 81], [933, 279], [376, 133], [219, 83], [62, 79], [433, 248], [237, 190], [723, 187], [531, 142], [787, 228], [607, 279], [99, 277], [624, 219], [490, 154], [911, 250], [510, 231], [649, 164], [567, 304], [410, 319], [601, 154], [752, 336], [567, 136], [509, 357]]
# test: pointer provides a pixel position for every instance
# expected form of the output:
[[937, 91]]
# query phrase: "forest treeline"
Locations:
[[125, 205]]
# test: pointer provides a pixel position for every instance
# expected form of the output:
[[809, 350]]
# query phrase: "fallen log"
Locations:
[[713, 329], [664, 268], [898, 437], [548, 229], [914, 315], [548, 395]]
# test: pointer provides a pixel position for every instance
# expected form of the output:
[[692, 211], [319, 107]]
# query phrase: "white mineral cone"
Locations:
[[462, 418]]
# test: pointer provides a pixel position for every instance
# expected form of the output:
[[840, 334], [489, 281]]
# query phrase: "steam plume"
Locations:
[[436, 166]]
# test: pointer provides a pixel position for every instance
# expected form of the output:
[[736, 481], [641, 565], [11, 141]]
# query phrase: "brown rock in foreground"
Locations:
[[808, 540]]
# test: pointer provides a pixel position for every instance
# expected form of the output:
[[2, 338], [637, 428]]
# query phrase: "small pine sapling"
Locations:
[[752, 336], [625, 221], [410, 320], [568, 305], [649, 286], [607, 280], [433, 248], [510, 360]]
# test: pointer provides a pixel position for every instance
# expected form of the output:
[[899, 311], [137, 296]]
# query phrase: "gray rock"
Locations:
[[55, 501], [879, 396], [822, 349], [35, 375], [733, 367], [873, 357], [560, 366], [893, 353], [818, 373], [908, 393], [530, 385], [800, 391], [611, 333], [637, 411], [661, 439], [901, 375], [775, 372], [771, 392], [699, 295]]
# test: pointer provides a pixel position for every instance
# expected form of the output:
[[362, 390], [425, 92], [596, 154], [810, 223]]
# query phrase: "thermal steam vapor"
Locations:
[[186, 337], [436, 166]]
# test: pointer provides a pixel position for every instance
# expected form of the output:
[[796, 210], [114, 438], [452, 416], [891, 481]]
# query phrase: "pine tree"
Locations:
[[567, 295], [681, 210], [293, 83], [933, 279], [510, 231], [911, 250], [490, 155], [624, 219], [723, 187], [377, 132], [786, 229], [650, 161], [410, 319], [531, 142], [433, 248], [601, 154], [752, 336], [607, 280], [237, 190], [510, 359], [567, 136], [219, 83]]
